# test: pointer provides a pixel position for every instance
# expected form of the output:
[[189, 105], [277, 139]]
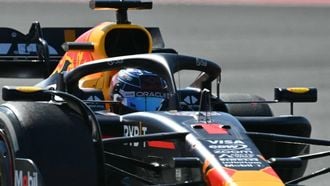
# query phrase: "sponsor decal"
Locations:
[[22, 49], [116, 62], [131, 94], [201, 62], [234, 147], [190, 100], [235, 154], [127, 94], [223, 151], [150, 94], [227, 145], [132, 130], [28, 178], [26, 173]]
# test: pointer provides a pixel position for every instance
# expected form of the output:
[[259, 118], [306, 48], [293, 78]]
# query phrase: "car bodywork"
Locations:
[[67, 131]]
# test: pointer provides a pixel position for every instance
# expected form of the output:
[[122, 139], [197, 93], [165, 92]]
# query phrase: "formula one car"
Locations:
[[109, 113]]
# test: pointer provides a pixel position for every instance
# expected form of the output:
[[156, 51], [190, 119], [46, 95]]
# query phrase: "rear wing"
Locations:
[[37, 53], [15, 45]]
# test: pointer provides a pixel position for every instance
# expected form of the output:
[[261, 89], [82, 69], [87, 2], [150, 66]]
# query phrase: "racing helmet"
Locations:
[[138, 90]]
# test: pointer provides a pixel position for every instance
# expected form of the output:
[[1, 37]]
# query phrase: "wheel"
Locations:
[[55, 138]]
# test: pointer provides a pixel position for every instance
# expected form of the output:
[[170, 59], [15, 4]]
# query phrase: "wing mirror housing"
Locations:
[[295, 94]]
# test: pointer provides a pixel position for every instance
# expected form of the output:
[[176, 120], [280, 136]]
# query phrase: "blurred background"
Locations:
[[260, 44]]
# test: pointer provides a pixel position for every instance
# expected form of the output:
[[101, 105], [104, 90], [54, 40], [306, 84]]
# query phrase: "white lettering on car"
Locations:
[[132, 130]]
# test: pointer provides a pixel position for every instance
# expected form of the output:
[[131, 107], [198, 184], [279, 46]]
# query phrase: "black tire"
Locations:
[[246, 109], [55, 138]]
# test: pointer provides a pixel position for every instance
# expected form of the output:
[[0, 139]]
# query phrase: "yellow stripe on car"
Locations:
[[28, 89], [298, 90]]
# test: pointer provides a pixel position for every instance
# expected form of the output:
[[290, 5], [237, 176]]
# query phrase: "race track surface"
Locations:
[[258, 47]]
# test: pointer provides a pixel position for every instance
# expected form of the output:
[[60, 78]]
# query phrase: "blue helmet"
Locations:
[[138, 90]]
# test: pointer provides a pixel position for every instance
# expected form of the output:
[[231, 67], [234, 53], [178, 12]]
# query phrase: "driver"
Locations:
[[138, 90]]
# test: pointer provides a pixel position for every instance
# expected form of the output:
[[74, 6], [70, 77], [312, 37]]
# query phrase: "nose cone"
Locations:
[[262, 177]]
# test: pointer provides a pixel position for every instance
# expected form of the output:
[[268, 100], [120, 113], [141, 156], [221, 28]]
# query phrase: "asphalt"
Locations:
[[258, 47]]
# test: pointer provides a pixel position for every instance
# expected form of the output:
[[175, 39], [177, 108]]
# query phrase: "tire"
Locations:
[[246, 109], [55, 138]]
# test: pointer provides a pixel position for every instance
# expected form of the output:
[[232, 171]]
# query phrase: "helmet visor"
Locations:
[[143, 103]]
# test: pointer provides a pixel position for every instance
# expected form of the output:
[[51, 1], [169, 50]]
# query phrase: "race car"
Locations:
[[109, 112]]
